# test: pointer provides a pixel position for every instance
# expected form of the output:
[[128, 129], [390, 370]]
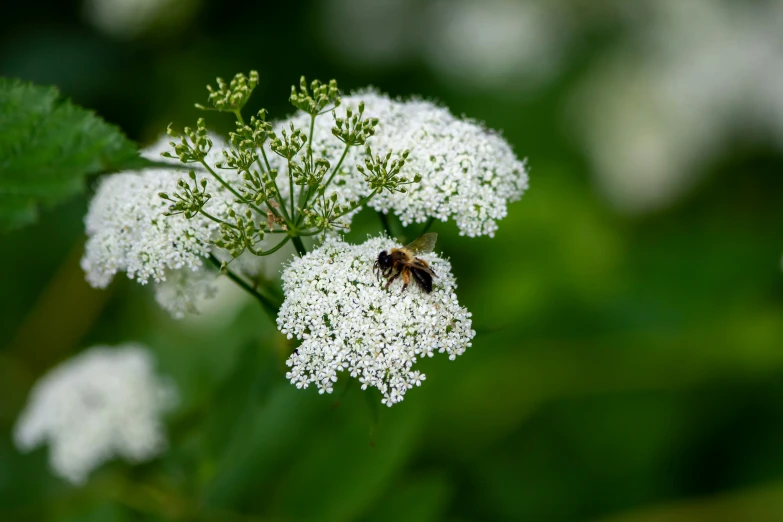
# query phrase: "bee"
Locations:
[[401, 262]]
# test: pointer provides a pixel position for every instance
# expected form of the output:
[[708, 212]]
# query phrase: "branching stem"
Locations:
[[268, 303]]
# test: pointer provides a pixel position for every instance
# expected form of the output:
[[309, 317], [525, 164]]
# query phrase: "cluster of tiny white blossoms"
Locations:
[[349, 322], [102, 403], [468, 172], [129, 232]]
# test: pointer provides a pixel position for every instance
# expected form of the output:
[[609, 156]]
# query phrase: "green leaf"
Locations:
[[48, 146]]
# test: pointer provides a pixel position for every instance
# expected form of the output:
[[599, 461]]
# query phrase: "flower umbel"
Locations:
[[467, 172], [348, 322], [306, 177], [102, 403]]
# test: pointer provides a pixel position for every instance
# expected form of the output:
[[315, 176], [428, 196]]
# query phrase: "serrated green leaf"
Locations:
[[48, 146]]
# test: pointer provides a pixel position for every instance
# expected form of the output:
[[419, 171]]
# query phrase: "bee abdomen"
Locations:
[[423, 279]]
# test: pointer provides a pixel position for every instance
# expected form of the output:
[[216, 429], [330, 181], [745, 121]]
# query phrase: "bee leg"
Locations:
[[391, 279], [406, 280]]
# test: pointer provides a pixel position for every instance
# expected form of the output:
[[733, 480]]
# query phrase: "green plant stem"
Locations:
[[385, 222], [230, 188], [291, 190], [300, 248], [272, 250], [360, 203], [221, 222], [310, 232], [427, 226], [337, 167], [216, 220], [304, 197], [270, 307], [310, 142]]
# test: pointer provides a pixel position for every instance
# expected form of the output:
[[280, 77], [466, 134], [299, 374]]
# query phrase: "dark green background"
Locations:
[[625, 369]]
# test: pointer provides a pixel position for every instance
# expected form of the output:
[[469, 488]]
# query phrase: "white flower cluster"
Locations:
[[128, 231], [102, 403], [347, 320], [469, 173]]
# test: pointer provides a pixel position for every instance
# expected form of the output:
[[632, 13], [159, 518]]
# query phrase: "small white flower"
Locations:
[[469, 173], [102, 403], [348, 322]]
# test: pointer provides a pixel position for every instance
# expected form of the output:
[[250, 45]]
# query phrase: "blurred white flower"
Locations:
[[695, 76], [499, 44], [348, 322], [184, 290], [130, 18], [469, 173], [103, 403], [383, 32]]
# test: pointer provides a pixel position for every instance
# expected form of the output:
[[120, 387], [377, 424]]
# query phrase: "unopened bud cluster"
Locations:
[[232, 96], [188, 200], [298, 203]]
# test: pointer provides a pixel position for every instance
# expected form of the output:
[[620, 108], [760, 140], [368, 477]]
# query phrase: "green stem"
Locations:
[[310, 233], [269, 307], [286, 218], [216, 220], [272, 250], [230, 188], [385, 222], [303, 203], [300, 248], [291, 189], [221, 222], [337, 168], [427, 226], [310, 142], [360, 203]]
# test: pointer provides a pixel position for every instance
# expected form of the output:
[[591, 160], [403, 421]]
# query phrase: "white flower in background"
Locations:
[[348, 322], [103, 403], [499, 44], [184, 290], [696, 76], [383, 32], [130, 18], [469, 173]]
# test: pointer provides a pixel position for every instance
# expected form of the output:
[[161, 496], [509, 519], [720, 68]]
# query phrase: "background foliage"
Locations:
[[628, 367]]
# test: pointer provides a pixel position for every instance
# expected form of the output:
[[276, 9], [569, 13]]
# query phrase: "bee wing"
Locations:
[[423, 244]]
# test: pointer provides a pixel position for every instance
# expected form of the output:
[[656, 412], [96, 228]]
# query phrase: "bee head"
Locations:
[[384, 260]]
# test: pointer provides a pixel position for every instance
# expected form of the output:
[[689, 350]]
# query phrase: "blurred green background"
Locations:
[[628, 365]]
